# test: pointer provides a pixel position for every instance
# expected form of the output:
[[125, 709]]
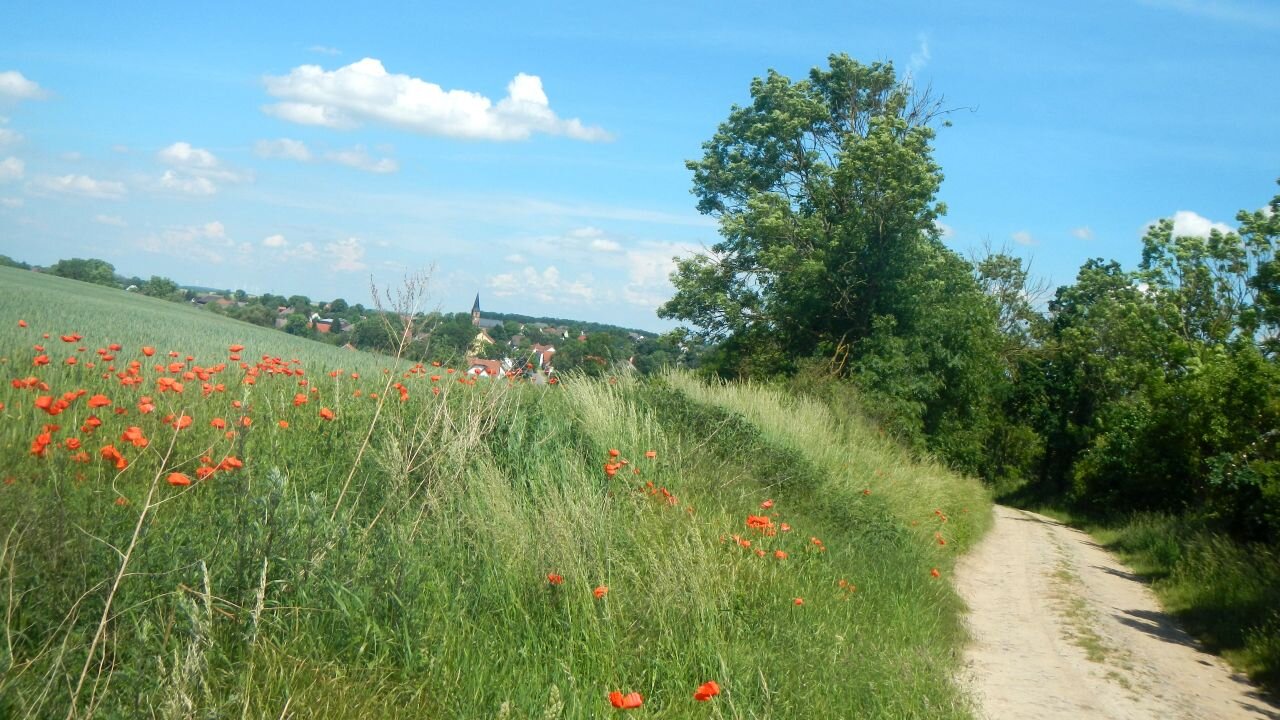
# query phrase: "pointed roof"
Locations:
[[475, 307]]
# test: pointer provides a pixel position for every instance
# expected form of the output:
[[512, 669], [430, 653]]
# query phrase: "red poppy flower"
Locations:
[[780, 554], [766, 504], [706, 691], [236, 348], [600, 591], [759, 522], [630, 701], [111, 453], [148, 350], [39, 360], [99, 400], [178, 479], [229, 463], [934, 572], [798, 601], [555, 579], [326, 413], [651, 454]]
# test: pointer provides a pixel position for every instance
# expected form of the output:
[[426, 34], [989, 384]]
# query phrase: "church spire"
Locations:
[[475, 311]]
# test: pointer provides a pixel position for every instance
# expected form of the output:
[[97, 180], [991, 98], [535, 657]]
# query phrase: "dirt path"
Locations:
[[1063, 630]]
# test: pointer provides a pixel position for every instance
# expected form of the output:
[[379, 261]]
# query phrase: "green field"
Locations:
[[398, 560]]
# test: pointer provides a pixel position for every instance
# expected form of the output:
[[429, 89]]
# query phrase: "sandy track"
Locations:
[[1062, 630]]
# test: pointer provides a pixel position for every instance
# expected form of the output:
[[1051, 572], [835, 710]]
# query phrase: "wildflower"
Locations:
[[706, 691], [766, 504], [326, 413], [780, 554], [148, 350], [555, 579], [22, 323], [630, 701], [178, 479], [39, 360], [798, 601], [99, 400], [218, 423], [122, 501], [236, 348], [784, 527], [600, 591], [613, 453], [934, 572], [229, 463], [651, 454], [759, 522], [284, 424], [111, 453]]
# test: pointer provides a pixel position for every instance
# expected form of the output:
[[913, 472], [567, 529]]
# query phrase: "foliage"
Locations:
[[92, 270]]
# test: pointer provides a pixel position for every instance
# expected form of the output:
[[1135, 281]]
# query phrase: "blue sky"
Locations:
[[535, 154]]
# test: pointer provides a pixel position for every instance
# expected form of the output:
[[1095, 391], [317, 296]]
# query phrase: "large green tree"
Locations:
[[92, 270], [825, 192]]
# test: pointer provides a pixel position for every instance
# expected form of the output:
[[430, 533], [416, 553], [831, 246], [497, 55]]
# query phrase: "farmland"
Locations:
[[283, 528]]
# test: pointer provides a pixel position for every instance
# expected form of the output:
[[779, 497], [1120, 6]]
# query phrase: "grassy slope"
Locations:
[[416, 586]]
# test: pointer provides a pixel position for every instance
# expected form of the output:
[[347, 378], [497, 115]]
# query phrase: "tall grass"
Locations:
[[395, 561], [1224, 592]]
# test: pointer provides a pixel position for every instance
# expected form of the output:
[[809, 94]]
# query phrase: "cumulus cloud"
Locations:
[[283, 148], [113, 220], [83, 186], [347, 255], [1083, 233], [207, 243], [516, 258], [182, 154], [365, 92], [14, 85], [12, 202], [11, 168], [194, 171], [1190, 224], [1022, 237], [545, 286], [274, 241], [9, 137], [357, 158], [187, 184], [944, 230]]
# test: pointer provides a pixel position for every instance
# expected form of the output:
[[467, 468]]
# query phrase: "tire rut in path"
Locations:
[[1060, 629]]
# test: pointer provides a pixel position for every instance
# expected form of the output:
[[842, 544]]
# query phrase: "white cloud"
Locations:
[[114, 220], [10, 202], [196, 171], [364, 91], [83, 185], [605, 245], [921, 56], [181, 154], [9, 137], [187, 184], [324, 50], [1083, 233], [274, 241], [542, 286], [12, 168], [301, 251], [516, 258], [1022, 237], [649, 267], [283, 148], [348, 255], [1190, 224], [357, 158], [200, 243], [944, 230], [14, 85]]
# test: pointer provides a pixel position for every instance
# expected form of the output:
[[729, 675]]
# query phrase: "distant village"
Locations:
[[485, 344]]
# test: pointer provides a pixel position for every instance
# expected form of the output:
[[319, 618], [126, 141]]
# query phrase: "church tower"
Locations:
[[475, 311]]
